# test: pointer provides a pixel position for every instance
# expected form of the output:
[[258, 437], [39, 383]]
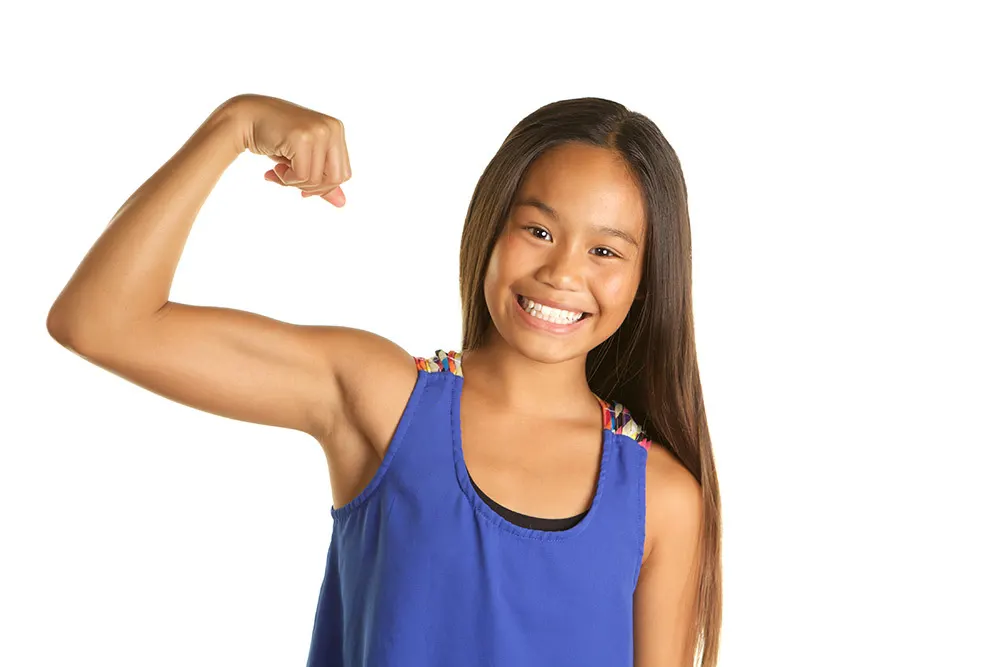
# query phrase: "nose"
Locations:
[[563, 269]]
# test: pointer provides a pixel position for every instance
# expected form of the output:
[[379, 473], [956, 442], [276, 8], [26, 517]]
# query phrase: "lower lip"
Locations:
[[539, 323]]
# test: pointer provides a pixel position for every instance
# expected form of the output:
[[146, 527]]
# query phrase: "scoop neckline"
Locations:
[[496, 507], [482, 507]]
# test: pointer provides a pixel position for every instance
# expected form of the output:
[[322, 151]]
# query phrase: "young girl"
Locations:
[[496, 505]]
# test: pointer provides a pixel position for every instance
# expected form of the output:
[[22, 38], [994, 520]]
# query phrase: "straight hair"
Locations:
[[650, 363]]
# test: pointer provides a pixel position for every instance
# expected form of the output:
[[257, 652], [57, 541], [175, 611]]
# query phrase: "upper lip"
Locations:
[[553, 304]]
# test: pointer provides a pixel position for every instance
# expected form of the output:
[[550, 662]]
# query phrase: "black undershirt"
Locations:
[[525, 521]]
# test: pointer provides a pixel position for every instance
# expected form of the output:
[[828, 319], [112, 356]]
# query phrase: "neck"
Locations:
[[511, 380]]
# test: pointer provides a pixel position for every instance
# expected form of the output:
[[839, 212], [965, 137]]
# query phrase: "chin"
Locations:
[[547, 352]]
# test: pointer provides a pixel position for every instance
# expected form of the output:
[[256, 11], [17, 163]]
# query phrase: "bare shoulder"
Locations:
[[673, 501], [666, 592], [373, 382]]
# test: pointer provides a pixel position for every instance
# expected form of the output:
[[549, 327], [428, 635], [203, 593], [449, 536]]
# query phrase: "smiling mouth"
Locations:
[[548, 314]]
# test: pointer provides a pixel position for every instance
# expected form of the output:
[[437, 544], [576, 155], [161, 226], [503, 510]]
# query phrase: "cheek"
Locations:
[[614, 291], [502, 260], [497, 276], [613, 287], [494, 269]]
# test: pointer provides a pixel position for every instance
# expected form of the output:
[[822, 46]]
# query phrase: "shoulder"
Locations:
[[665, 598], [673, 502], [360, 359], [673, 495], [372, 377]]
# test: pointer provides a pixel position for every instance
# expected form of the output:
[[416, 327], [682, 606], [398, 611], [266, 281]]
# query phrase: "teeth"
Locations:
[[548, 314]]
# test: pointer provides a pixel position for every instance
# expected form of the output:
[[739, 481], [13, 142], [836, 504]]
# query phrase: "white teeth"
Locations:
[[548, 314]]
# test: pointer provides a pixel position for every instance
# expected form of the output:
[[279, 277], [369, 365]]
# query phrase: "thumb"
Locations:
[[336, 197]]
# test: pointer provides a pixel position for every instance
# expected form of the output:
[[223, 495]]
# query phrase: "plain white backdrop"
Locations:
[[841, 163]]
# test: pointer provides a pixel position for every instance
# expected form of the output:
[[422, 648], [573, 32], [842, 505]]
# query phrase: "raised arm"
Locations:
[[115, 310]]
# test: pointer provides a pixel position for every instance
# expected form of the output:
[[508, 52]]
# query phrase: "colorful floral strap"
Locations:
[[450, 362], [617, 418]]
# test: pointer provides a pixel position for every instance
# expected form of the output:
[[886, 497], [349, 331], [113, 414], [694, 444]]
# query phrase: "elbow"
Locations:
[[66, 328], [83, 330], [59, 328]]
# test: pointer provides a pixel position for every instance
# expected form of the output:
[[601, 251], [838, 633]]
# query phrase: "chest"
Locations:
[[543, 467]]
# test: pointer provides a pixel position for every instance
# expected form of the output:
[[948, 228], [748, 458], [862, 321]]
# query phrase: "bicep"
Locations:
[[237, 364]]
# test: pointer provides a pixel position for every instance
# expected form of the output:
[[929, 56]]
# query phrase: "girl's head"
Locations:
[[585, 206], [573, 239]]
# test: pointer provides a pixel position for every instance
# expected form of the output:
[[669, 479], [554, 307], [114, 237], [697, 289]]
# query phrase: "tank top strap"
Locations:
[[617, 417], [622, 522], [441, 362], [620, 421], [422, 448]]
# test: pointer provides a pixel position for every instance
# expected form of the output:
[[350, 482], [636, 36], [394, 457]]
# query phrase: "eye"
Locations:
[[608, 251], [532, 230]]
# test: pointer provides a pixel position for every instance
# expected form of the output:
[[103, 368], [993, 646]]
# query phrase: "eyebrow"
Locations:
[[551, 212]]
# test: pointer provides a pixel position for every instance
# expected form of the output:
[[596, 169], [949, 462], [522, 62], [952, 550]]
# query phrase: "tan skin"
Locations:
[[527, 386], [115, 313]]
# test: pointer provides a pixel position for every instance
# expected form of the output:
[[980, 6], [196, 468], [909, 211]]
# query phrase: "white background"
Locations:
[[841, 163]]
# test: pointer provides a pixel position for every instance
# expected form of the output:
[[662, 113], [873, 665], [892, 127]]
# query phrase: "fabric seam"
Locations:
[[641, 513], [412, 404], [607, 442]]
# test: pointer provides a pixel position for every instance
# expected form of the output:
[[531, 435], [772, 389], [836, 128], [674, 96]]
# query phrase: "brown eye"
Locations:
[[532, 229], [610, 253]]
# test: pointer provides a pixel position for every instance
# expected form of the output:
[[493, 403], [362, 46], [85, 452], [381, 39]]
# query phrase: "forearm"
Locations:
[[127, 274]]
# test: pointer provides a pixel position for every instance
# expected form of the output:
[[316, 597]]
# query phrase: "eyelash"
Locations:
[[611, 252]]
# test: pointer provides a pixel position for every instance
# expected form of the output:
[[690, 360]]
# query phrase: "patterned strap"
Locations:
[[617, 418], [442, 361]]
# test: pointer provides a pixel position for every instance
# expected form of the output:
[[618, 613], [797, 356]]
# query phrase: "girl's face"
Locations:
[[573, 243]]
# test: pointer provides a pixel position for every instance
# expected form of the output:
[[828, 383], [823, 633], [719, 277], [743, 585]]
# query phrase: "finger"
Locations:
[[275, 176], [313, 192], [316, 176], [331, 175], [288, 176], [336, 197], [300, 170], [345, 165], [319, 191]]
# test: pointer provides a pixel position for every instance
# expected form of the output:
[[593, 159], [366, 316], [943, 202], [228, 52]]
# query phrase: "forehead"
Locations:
[[585, 185]]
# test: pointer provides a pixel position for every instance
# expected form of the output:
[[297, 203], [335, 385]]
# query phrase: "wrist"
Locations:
[[234, 115]]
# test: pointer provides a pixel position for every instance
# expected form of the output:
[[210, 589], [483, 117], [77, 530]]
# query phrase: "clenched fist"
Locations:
[[308, 146]]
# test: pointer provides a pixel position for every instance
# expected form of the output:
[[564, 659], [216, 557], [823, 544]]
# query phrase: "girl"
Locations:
[[495, 505]]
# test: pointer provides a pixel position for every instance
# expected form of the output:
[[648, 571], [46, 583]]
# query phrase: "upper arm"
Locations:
[[664, 599], [249, 367]]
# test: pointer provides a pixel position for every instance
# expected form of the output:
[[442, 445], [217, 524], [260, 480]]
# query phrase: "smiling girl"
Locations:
[[546, 495]]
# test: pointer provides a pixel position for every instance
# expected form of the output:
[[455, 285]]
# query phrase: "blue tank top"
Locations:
[[422, 572]]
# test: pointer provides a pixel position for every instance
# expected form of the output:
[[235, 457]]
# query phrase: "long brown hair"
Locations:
[[649, 364]]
